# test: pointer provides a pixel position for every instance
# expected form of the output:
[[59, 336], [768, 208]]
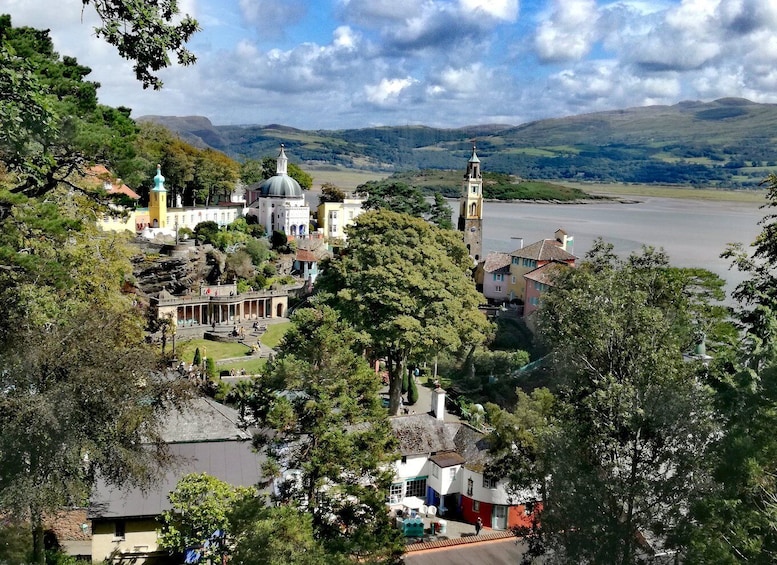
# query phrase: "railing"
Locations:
[[210, 299]]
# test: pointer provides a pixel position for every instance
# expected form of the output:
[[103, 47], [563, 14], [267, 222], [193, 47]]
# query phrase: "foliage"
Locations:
[[623, 451], [440, 213], [736, 522], [280, 535], [197, 360], [15, 542], [210, 368], [331, 193], [145, 34], [407, 285], [395, 196], [279, 241], [412, 391], [199, 514], [327, 436]]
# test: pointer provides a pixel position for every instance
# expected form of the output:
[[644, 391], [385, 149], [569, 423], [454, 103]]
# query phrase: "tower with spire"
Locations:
[[157, 201], [471, 208]]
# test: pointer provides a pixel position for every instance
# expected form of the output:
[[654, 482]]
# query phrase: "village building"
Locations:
[[279, 203], [526, 259], [538, 282], [334, 217], [203, 437], [443, 463]]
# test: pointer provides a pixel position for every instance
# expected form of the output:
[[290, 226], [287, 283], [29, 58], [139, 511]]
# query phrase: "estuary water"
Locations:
[[693, 233]]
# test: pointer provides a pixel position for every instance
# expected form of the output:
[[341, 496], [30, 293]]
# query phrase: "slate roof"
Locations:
[[545, 250], [472, 446], [203, 419], [234, 462], [423, 434], [203, 437], [496, 261]]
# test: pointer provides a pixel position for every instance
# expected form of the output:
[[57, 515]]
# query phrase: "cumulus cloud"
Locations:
[[506, 10], [387, 91], [567, 32]]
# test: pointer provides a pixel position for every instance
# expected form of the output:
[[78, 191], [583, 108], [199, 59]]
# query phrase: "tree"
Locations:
[[145, 34], [440, 213], [198, 519], [330, 193], [407, 285], [325, 425], [396, 196], [736, 521], [412, 391], [197, 360], [621, 451], [280, 535]]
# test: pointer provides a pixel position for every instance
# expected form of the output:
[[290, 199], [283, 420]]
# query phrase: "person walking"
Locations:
[[478, 526]]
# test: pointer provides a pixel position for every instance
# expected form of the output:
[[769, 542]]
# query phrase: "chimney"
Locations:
[[438, 403]]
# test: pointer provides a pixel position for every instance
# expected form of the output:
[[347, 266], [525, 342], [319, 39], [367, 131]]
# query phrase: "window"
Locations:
[[395, 493], [498, 288], [119, 531], [416, 487], [476, 506], [404, 459], [470, 484], [435, 470], [452, 473], [489, 483], [516, 261], [513, 279]]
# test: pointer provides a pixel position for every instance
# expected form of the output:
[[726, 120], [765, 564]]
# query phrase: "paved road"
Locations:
[[500, 552]]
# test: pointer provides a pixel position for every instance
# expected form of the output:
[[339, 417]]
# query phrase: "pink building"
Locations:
[[537, 283]]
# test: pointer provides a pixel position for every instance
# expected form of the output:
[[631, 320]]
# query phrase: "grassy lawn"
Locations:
[[252, 365], [215, 349], [275, 332]]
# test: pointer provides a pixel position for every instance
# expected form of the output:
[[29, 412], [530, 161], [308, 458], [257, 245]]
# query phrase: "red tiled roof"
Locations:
[[305, 255], [546, 272], [492, 535], [545, 250]]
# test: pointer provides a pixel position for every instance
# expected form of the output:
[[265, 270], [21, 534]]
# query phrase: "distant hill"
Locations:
[[730, 142]]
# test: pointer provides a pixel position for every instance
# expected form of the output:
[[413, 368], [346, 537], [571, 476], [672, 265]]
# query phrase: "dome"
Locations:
[[281, 186]]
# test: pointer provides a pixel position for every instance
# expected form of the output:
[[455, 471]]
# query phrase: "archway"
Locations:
[[279, 310]]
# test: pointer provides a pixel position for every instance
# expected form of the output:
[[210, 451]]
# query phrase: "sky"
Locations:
[[341, 64]]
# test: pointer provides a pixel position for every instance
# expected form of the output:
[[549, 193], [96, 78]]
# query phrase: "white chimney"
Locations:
[[438, 403]]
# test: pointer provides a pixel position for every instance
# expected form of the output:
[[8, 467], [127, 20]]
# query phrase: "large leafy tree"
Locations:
[[620, 453], [407, 284], [72, 407], [737, 522], [199, 517], [320, 406], [394, 195]]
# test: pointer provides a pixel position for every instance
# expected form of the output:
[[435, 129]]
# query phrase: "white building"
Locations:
[[280, 205]]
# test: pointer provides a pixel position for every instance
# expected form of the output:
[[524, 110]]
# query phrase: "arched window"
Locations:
[[472, 209]]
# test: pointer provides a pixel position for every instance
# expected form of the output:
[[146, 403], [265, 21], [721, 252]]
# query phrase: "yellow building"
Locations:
[[334, 217], [537, 254]]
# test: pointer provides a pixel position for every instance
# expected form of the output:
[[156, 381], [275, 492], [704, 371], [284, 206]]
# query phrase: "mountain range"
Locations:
[[728, 142]]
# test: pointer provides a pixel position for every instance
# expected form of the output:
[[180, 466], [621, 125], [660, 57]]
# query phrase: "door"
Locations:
[[499, 517]]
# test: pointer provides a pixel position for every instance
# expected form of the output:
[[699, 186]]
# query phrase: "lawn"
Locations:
[[252, 365], [215, 349], [275, 332]]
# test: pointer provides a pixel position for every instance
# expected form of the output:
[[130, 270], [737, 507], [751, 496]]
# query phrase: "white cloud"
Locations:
[[567, 33], [506, 10], [271, 16], [387, 91]]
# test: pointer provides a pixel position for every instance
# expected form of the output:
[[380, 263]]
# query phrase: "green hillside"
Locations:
[[729, 142]]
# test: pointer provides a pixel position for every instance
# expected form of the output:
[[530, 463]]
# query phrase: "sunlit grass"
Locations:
[[275, 332], [215, 349], [663, 191]]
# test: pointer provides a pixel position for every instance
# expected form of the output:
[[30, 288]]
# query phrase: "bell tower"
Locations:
[[157, 201], [471, 208]]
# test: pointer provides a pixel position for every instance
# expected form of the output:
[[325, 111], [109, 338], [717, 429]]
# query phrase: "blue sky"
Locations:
[[333, 64]]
